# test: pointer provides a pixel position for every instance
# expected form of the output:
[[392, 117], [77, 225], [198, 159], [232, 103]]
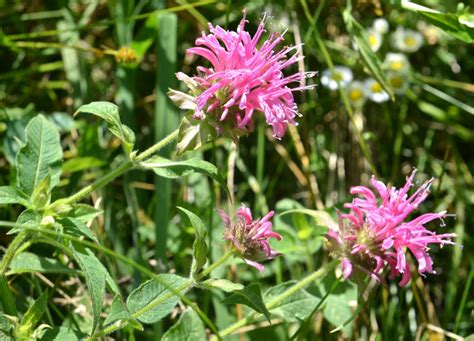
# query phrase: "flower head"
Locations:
[[375, 91], [380, 25], [406, 40], [245, 76], [357, 93], [250, 237], [341, 74], [398, 81], [376, 232], [397, 62], [375, 39]]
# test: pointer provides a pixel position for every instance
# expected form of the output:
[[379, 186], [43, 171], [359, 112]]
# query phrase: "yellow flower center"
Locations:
[[355, 94], [410, 41], [376, 87], [397, 82], [397, 65], [337, 76], [373, 40]]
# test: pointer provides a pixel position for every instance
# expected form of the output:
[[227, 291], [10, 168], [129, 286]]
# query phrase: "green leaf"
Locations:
[[456, 26], [193, 134], [176, 169], [251, 296], [370, 59], [294, 308], [7, 303], [188, 327], [78, 164], [199, 246], [340, 304], [76, 227], [84, 213], [63, 334], [30, 262], [13, 195], [28, 218], [33, 316], [119, 312], [222, 284], [41, 195], [154, 291], [96, 277], [41, 155], [109, 112]]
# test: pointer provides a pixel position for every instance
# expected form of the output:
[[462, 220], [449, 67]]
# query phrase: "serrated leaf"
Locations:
[[175, 169], [251, 296], [76, 227], [13, 195], [222, 284], [95, 278], [33, 316], [109, 112], [30, 262], [41, 155], [188, 327], [27, 218], [294, 308], [118, 311], [84, 213], [199, 245], [63, 334], [370, 59], [154, 291], [193, 134]]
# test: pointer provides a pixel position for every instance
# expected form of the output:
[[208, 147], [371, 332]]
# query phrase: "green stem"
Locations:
[[216, 264], [11, 250], [280, 298]]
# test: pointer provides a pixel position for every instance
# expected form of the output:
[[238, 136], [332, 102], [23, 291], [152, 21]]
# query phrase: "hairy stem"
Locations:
[[11, 250], [280, 298]]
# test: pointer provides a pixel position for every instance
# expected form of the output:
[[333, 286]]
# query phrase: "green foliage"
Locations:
[[188, 327], [250, 296]]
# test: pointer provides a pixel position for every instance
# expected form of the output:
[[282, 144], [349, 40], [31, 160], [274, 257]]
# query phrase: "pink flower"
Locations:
[[376, 231], [250, 237], [244, 78]]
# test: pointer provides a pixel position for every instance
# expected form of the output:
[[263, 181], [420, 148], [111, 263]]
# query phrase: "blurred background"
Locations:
[[395, 91]]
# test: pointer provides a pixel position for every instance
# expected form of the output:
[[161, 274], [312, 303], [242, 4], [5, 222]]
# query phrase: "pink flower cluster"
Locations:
[[250, 237], [376, 231], [245, 78]]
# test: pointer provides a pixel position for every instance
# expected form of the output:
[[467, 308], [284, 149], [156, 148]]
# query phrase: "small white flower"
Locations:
[[380, 25], [407, 40], [341, 73], [375, 40], [357, 93], [398, 81], [375, 91], [396, 62]]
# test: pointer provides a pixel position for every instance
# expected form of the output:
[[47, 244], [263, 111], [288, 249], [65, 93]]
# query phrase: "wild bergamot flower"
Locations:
[[250, 237], [341, 74], [245, 77], [376, 232], [406, 40]]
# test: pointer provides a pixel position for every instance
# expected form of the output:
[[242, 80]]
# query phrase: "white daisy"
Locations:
[[341, 73], [407, 40], [398, 81], [396, 62], [380, 25], [375, 91], [375, 40], [357, 93]]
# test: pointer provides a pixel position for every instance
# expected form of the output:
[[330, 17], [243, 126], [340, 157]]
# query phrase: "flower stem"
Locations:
[[280, 298], [216, 264], [11, 250]]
